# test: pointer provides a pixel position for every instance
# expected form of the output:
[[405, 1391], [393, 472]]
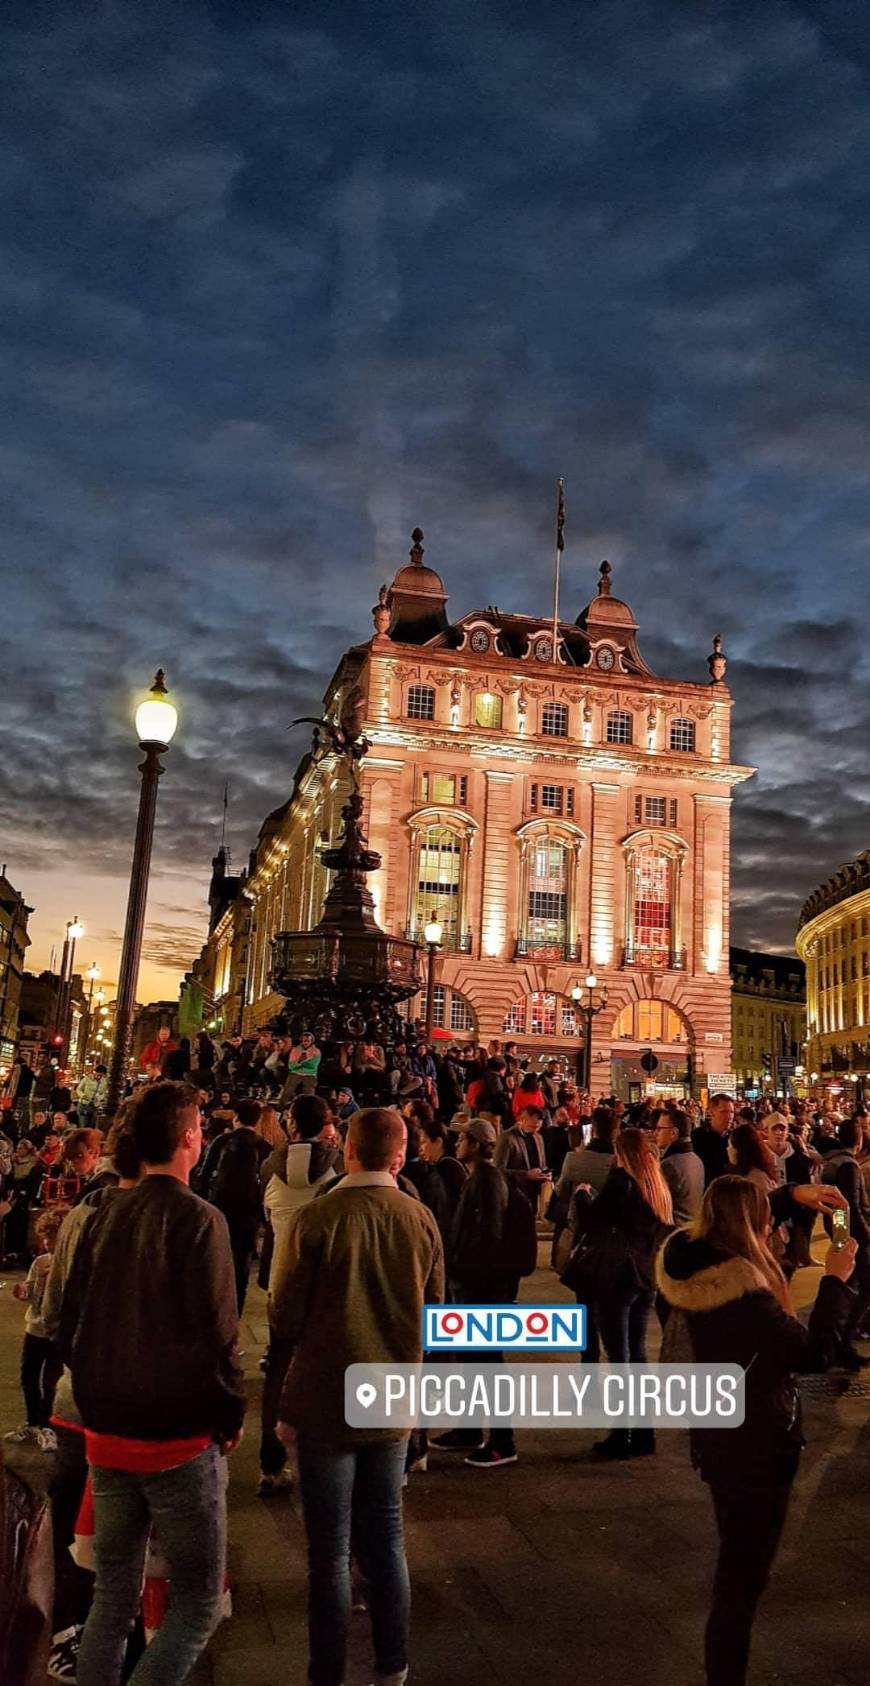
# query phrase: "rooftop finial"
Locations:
[[381, 613], [717, 661], [604, 582], [159, 685], [416, 551]]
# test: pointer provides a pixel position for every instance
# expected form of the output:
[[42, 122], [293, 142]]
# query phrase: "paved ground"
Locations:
[[554, 1569]]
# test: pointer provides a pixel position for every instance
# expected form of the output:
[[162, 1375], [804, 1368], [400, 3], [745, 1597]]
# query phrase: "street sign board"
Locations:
[[649, 1063]]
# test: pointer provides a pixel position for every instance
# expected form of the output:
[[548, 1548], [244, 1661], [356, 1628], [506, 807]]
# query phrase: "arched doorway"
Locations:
[[658, 1031]]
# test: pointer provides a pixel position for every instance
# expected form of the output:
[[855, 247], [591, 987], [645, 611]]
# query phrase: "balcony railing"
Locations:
[[526, 948], [675, 961], [452, 942]]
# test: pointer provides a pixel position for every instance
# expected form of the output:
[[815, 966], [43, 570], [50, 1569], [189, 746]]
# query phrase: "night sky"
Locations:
[[278, 282]]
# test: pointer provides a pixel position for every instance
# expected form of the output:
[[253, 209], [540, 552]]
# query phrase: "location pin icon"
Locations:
[[366, 1394]]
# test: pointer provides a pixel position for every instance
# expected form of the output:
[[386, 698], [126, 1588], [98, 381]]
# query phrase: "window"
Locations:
[[554, 720], [445, 789], [649, 1021], [619, 726], [546, 924], [655, 810], [451, 1007], [436, 893], [487, 709], [541, 1014], [551, 799], [421, 702], [461, 1016], [683, 735], [650, 927]]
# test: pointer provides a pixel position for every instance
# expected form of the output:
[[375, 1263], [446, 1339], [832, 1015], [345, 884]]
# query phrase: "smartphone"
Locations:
[[839, 1227]]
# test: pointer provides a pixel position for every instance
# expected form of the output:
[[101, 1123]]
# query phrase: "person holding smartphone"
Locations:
[[722, 1281]]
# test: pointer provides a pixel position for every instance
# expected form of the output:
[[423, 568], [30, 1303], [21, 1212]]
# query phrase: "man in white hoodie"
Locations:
[[293, 1175]]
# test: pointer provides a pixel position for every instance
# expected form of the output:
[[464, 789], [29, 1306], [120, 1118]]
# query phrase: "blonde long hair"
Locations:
[[636, 1155], [734, 1215], [268, 1127]]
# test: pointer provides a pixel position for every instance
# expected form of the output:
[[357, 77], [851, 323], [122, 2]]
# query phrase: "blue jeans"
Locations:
[[354, 1497], [622, 1320], [187, 1507]]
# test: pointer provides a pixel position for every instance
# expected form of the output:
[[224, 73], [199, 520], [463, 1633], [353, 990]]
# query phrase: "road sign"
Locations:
[[722, 1083], [649, 1063]]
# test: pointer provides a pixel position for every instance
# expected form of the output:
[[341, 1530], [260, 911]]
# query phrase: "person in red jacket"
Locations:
[[155, 1052]]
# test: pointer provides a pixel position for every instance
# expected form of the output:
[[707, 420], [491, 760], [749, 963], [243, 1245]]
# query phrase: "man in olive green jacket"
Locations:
[[349, 1287]]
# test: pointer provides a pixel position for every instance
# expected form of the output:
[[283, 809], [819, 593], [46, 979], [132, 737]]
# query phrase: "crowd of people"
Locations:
[[363, 1182]]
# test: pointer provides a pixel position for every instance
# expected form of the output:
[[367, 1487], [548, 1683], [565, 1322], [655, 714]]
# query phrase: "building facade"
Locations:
[[768, 1019], [14, 943], [556, 806], [833, 940], [213, 992]]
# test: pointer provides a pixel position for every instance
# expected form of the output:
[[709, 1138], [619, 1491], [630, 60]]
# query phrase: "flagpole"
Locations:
[[560, 546]]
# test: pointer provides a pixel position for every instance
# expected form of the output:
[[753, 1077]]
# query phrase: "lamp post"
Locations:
[[74, 930], [432, 934], [91, 974], [156, 720], [589, 1004]]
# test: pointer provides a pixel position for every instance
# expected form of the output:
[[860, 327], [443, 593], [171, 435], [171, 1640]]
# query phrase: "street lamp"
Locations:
[[589, 1007], [92, 974], [156, 720], [432, 934], [74, 930]]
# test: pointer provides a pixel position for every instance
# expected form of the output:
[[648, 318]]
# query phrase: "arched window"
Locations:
[[619, 725], [650, 1021], [683, 735], [487, 709], [541, 1014], [450, 1010], [436, 892], [421, 702], [652, 925]]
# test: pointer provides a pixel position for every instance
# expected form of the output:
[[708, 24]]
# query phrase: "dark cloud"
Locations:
[[274, 288]]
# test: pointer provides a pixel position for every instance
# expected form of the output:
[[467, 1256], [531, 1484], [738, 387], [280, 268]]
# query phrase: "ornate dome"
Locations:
[[605, 610], [415, 579], [416, 599]]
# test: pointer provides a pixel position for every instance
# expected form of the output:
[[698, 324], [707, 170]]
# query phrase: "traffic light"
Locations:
[[766, 1062]]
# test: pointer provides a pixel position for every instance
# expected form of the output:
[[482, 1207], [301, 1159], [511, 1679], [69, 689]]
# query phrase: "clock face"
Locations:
[[480, 641], [544, 649], [605, 658]]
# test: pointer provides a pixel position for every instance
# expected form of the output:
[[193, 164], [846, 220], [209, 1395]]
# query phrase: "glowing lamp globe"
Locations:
[[591, 980], [75, 930], [433, 932], [157, 717]]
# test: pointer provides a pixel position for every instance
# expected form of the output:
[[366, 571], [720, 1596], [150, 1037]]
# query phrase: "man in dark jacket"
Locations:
[[519, 1153], [710, 1140], [149, 1328], [682, 1168], [492, 1245], [230, 1179]]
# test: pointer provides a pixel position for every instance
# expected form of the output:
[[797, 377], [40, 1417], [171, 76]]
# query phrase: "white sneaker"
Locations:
[[46, 1440], [27, 1431]]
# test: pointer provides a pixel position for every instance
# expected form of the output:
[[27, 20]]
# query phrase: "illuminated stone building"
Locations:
[[768, 1018], [833, 940], [557, 807]]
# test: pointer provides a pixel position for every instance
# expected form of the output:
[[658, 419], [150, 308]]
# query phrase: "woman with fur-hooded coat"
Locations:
[[729, 1304]]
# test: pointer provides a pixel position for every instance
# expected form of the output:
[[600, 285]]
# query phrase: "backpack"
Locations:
[[26, 1582]]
